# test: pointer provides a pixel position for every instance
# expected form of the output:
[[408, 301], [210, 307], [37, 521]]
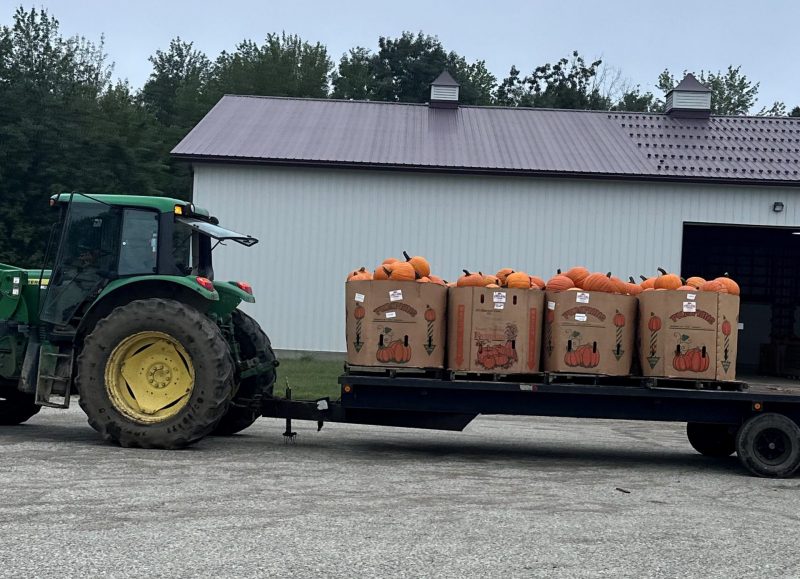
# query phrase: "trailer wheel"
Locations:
[[769, 445], [154, 373], [715, 440], [15, 407], [254, 345]]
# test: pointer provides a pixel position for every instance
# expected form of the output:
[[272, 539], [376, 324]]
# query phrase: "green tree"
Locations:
[[634, 100], [63, 127], [285, 65], [795, 112], [404, 67], [570, 83]]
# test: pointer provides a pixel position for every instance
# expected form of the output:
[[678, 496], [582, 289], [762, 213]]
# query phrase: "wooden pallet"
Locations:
[[394, 372], [694, 384]]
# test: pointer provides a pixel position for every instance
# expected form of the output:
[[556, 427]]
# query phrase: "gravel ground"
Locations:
[[509, 497]]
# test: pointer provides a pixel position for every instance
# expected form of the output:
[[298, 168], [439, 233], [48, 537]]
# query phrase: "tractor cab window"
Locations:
[[138, 251], [87, 258]]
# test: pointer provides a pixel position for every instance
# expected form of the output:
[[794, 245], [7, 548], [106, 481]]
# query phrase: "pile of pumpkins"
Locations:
[[417, 268], [580, 278], [414, 268]]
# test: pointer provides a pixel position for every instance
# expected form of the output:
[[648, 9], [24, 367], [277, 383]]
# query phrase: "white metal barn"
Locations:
[[328, 186]]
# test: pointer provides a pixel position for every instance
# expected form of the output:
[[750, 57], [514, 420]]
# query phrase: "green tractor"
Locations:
[[127, 314]]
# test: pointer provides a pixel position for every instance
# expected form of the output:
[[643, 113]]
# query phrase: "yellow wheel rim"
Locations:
[[149, 377]]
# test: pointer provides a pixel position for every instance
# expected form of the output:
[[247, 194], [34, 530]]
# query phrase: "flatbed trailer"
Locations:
[[758, 421]]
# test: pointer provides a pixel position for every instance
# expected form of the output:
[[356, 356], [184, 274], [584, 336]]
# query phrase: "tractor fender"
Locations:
[[126, 290], [230, 296]]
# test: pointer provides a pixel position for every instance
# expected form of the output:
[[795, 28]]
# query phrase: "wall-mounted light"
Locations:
[[777, 207]]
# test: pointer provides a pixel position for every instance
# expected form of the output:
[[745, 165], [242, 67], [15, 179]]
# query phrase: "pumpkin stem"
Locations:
[[363, 269], [608, 275], [683, 281], [558, 272], [630, 277], [662, 271], [408, 257], [387, 271], [643, 278], [466, 272]]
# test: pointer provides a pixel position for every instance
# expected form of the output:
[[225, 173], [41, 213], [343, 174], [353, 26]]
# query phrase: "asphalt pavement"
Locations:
[[508, 497]]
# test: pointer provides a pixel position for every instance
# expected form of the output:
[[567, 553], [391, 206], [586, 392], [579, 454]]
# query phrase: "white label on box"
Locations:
[[582, 298], [15, 291], [691, 296], [580, 317], [740, 326], [689, 306], [390, 315], [526, 387], [499, 297], [16, 280], [359, 297], [551, 305], [395, 295], [499, 305]]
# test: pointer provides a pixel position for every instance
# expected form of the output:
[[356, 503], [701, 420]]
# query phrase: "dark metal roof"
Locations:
[[445, 79], [691, 84], [417, 137]]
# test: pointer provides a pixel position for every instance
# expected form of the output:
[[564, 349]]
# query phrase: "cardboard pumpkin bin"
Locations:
[[494, 331], [688, 334], [589, 333], [395, 324]]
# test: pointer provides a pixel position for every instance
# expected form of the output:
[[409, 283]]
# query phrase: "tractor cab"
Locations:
[[106, 239]]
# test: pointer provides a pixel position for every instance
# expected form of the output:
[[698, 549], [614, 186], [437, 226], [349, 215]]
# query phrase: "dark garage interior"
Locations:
[[764, 261]]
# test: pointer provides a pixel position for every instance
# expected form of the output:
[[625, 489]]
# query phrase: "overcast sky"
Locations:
[[638, 38]]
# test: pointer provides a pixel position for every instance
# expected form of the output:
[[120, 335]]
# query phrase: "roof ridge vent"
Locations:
[[690, 99], [444, 92]]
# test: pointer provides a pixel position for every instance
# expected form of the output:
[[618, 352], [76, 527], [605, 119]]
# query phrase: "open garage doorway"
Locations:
[[764, 261]]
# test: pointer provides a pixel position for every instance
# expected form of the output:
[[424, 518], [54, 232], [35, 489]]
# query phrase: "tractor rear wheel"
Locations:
[[254, 347], [15, 407], [154, 373]]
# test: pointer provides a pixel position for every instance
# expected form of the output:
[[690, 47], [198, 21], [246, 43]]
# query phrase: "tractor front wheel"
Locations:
[[15, 407], [154, 373]]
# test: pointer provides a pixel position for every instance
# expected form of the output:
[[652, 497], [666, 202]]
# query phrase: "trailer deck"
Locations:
[[720, 410]]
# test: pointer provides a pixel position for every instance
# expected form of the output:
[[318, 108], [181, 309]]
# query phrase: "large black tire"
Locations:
[[768, 445], [203, 342], [715, 440], [15, 407], [255, 347]]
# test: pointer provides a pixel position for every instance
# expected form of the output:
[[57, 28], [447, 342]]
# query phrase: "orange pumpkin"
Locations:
[[714, 286], [687, 288], [730, 285], [359, 275], [470, 280], [620, 287], [381, 272], [559, 283], [667, 280], [402, 271], [695, 281], [503, 274], [599, 282], [424, 280], [634, 288], [577, 274], [647, 282], [518, 280], [537, 282], [493, 286], [437, 280], [419, 263], [490, 279], [389, 260]]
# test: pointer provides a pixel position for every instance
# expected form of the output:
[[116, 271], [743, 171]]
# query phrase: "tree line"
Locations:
[[66, 125]]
